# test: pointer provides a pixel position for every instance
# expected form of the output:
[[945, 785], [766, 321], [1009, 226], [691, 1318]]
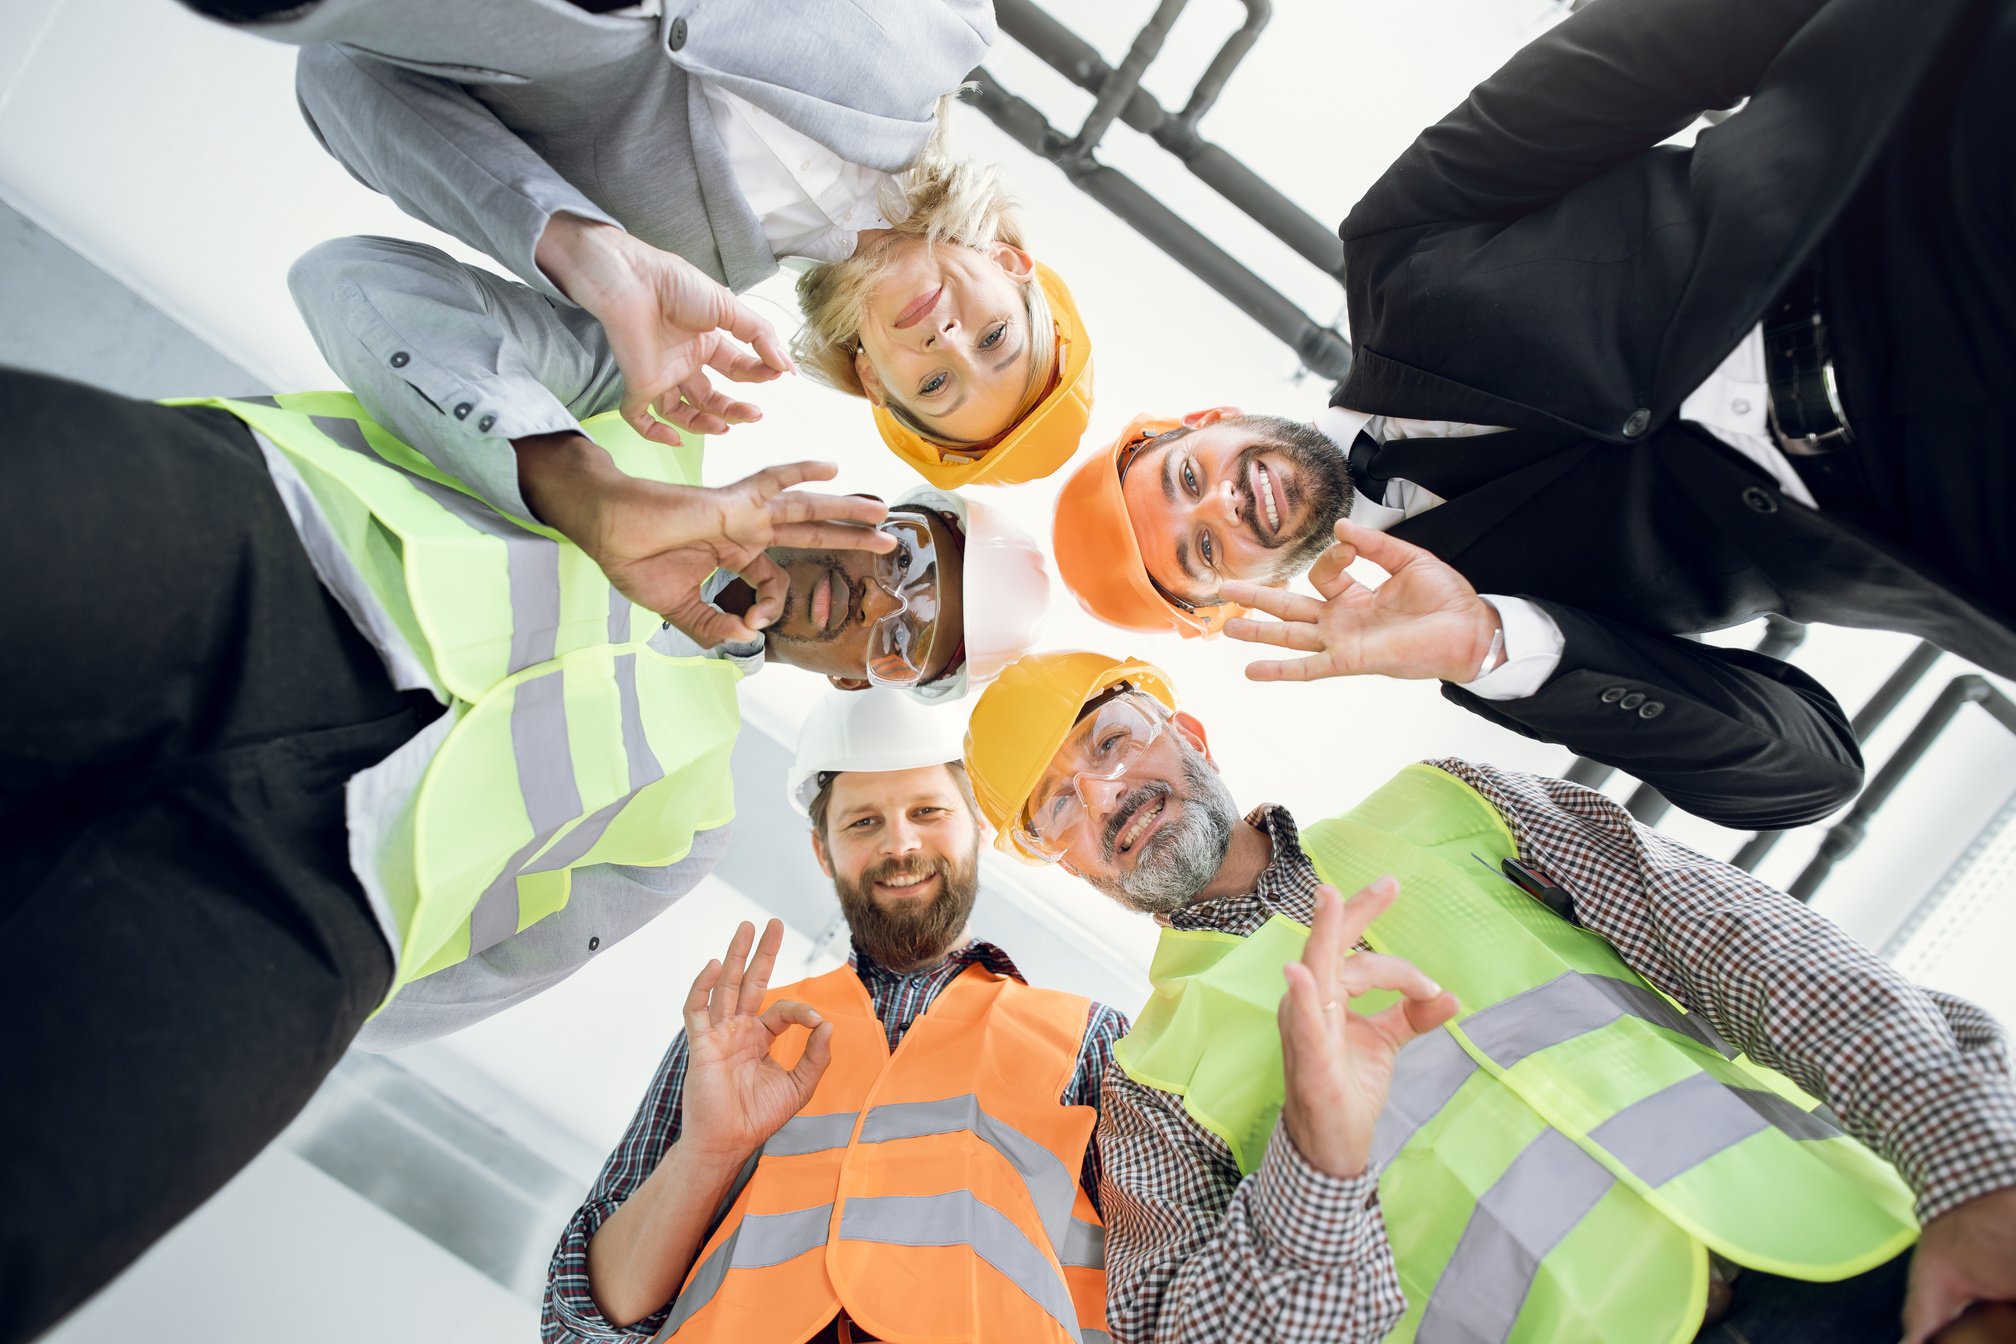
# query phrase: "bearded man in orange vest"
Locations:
[[900, 1149]]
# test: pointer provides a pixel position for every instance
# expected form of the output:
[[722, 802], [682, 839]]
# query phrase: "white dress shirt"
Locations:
[[1731, 404], [811, 202]]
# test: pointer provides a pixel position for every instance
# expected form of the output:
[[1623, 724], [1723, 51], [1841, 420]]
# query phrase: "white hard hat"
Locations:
[[875, 729], [1006, 591]]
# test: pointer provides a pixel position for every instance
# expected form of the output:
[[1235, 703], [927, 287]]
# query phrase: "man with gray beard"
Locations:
[[928, 1035], [1559, 1097]]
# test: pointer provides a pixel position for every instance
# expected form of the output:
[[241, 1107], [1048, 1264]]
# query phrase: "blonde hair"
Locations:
[[947, 202]]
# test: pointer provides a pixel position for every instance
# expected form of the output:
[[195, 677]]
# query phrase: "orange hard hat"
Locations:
[[1039, 443], [1021, 720], [1099, 556]]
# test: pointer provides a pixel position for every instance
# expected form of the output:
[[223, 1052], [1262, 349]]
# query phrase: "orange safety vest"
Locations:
[[932, 1193]]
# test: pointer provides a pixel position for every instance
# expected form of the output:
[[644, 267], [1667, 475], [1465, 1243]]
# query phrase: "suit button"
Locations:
[[400, 359], [1651, 709], [462, 411], [485, 423], [1640, 420], [594, 943], [1632, 701], [1758, 498], [676, 37], [1613, 695]]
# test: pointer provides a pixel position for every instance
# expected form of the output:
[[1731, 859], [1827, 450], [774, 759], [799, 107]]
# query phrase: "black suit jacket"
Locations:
[[1533, 261]]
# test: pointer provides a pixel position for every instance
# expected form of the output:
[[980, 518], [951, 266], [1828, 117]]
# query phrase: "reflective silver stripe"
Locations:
[[1790, 1118], [644, 771], [1084, 1245], [1574, 1004], [532, 566], [642, 761], [803, 1134], [1677, 1128], [258, 401], [759, 1240], [1050, 1183], [1091, 1336], [619, 617], [1524, 1215], [1426, 1075], [960, 1218], [532, 563], [545, 764]]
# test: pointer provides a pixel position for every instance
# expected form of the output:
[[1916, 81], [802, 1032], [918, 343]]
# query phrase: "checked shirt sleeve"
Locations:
[[1196, 1252], [569, 1314], [1920, 1076]]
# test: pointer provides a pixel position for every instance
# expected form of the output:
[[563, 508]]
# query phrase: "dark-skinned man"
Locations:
[[305, 730], [1539, 1127]]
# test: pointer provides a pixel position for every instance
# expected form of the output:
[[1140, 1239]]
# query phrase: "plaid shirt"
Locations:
[[570, 1314], [1195, 1252]]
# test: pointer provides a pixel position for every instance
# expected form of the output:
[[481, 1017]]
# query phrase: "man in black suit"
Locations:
[[1657, 390]]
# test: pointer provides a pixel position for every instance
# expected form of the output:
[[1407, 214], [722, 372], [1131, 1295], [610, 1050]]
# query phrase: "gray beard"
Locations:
[[1180, 860]]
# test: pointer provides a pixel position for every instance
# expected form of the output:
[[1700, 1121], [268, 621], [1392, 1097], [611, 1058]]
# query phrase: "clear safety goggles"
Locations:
[[901, 643], [1102, 747]]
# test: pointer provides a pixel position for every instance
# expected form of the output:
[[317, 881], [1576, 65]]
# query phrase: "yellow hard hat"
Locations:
[[1099, 557], [1023, 718], [1039, 443]]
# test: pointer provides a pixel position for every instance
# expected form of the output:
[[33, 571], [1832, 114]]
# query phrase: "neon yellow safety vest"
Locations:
[[573, 742], [1556, 1163]]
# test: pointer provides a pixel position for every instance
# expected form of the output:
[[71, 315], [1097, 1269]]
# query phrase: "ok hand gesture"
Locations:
[[1337, 1065], [736, 1095], [1424, 621]]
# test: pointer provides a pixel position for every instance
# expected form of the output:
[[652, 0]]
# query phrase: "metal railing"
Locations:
[[1118, 96]]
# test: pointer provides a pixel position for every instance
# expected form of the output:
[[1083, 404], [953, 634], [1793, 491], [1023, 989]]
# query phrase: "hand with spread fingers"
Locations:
[[1965, 1256], [658, 543], [736, 1095], [1337, 1065], [1424, 621], [668, 323]]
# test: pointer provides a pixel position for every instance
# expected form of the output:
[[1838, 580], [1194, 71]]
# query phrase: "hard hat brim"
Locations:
[[1038, 444], [1099, 557]]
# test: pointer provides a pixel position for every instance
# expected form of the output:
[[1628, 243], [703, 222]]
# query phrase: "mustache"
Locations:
[[1249, 503], [1123, 815], [888, 868]]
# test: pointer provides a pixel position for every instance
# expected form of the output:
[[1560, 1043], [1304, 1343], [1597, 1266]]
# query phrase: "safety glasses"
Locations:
[[901, 643], [1102, 746]]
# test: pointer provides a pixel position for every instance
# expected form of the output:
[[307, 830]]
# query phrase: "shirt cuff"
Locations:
[[1533, 645], [1961, 1144], [1309, 1217]]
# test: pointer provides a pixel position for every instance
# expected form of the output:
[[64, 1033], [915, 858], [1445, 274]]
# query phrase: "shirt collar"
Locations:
[[977, 952], [1287, 885], [1342, 425]]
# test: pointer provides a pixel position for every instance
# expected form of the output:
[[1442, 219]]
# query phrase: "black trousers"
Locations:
[[1919, 285], [186, 953]]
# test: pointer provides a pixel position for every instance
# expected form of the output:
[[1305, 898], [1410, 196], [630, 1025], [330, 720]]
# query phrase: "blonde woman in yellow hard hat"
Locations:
[[639, 169], [971, 351]]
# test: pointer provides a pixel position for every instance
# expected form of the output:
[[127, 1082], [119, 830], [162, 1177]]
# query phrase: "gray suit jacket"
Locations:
[[486, 117]]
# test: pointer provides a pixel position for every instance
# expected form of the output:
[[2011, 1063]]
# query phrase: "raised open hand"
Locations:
[[1965, 1255], [1424, 621], [668, 323], [1338, 1065], [736, 1096], [658, 543]]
